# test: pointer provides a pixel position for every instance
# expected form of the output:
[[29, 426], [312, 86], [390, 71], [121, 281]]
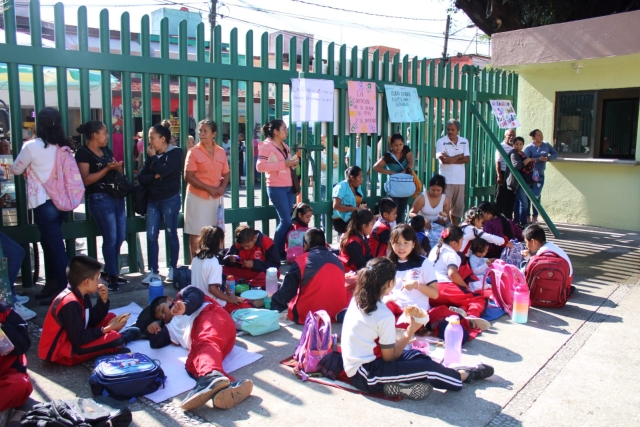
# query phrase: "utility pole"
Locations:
[[212, 22], [446, 40]]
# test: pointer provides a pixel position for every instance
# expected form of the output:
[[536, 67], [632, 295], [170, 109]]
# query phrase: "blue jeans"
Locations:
[[323, 191], [49, 221], [537, 191], [282, 198], [521, 208], [14, 254], [108, 213], [166, 210], [401, 206]]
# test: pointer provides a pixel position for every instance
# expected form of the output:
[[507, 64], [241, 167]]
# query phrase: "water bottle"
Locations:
[[272, 281], [155, 289], [453, 341], [520, 311], [220, 213], [231, 285]]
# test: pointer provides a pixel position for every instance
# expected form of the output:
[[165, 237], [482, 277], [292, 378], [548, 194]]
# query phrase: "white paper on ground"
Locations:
[[172, 359]]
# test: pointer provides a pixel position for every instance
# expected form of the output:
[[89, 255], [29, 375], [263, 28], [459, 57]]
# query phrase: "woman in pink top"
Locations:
[[275, 161]]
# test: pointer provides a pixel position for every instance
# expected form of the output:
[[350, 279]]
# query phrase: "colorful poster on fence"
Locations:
[[363, 107], [505, 114], [403, 104], [311, 100]]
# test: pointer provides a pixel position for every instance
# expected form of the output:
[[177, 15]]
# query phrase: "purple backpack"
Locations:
[[316, 342]]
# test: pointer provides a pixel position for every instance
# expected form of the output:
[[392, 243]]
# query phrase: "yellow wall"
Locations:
[[605, 195]]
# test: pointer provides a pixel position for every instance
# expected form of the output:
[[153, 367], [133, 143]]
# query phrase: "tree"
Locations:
[[496, 16]]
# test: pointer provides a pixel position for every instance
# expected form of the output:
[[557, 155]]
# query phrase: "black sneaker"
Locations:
[[572, 290], [205, 388], [411, 391], [479, 372], [113, 284], [131, 334]]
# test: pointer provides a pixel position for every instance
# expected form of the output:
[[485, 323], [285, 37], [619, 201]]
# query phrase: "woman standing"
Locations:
[[275, 161], [206, 171], [398, 159], [525, 167], [39, 156], [161, 175], [347, 198], [434, 206], [541, 152], [95, 160]]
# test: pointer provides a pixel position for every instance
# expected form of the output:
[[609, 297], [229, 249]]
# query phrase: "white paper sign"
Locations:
[[311, 100], [505, 114]]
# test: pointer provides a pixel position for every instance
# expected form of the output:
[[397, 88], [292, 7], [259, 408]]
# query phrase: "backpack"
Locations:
[[101, 411], [548, 278], [256, 321], [181, 277], [505, 278], [316, 342], [64, 187], [295, 244], [513, 256], [126, 376]]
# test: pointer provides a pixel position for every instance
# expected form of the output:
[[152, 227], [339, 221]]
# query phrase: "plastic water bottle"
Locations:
[[520, 312], [231, 285], [155, 289], [272, 281], [220, 213], [453, 341]]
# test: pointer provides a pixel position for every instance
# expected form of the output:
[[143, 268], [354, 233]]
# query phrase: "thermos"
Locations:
[[155, 289], [231, 285], [272, 281], [453, 341], [520, 312]]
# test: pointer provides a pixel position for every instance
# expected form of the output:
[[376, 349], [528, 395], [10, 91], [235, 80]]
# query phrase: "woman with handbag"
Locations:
[[278, 166], [161, 175], [398, 160], [99, 170], [524, 166]]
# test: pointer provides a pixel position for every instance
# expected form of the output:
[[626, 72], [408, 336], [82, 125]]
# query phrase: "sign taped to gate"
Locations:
[[403, 104], [505, 114], [311, 100], [363, 107]]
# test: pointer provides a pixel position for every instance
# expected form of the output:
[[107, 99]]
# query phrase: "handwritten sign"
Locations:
[[311, 100], [363, 107], [505, 114], [403, 104]]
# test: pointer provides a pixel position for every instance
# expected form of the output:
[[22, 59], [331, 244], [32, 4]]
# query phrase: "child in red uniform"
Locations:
[[14, 381], [300, 219], [379, 240], [250, 257], [354, 245], [200, 325], [65, 339]]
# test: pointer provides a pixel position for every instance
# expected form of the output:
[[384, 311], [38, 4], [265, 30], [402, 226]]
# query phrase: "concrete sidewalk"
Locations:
[[572, 366]]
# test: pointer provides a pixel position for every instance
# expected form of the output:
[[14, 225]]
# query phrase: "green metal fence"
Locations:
[[445, 92]]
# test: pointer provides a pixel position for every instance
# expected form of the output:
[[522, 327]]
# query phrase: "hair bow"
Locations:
[[445, 233]]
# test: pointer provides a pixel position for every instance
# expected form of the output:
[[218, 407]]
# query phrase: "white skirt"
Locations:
[[199, 212]]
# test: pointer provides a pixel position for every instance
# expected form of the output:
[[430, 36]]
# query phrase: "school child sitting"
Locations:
[[314, 282], [354, 245], [453, 291], [206, 271], [68, 337], [14, 380], [379, 239], [478, 261], [536, 242], [375, 360], [250, 257], [198, 323], [300, 218], [419, 225], [472, 228]]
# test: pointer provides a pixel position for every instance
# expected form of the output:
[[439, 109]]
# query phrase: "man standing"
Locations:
[[453, 152], [505, 198]]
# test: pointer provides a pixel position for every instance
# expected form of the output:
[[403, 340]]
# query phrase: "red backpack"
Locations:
[[548, 278]]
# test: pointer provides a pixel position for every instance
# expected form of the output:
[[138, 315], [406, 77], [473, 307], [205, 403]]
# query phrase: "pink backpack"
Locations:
[[316, 342], [295, 244], [64, 187], [505, 278]]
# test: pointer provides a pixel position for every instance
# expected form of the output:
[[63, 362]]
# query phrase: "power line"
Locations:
[[365, 13]]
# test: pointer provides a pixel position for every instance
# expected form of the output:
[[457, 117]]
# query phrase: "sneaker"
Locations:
[[458, 310], [206, 387], [23, 311], [478, 323], [151, 276], [479, 372], [170, 275], [131, 334], [411, 391], [233, 395], [113, 284], [22, 299]]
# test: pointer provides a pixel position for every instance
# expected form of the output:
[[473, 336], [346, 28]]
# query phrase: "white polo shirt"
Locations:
[[454, 174], [506, 147]]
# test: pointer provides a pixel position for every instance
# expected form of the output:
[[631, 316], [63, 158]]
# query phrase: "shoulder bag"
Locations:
[[400, 185]]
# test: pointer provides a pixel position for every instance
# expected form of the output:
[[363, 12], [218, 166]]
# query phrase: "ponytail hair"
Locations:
[[300, 208], [89, 128], [371, 281], [452, 233], [356, 222], [472, 215], [163, 132], [209, 241], [49, 128], [272, 126]]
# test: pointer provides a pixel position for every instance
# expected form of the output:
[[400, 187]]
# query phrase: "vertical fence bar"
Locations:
[[264, 114], [330, 131], [217, 89], [236, 166], [342, 103], [165, 79], [251, 154], [35, 27], [183, 102]]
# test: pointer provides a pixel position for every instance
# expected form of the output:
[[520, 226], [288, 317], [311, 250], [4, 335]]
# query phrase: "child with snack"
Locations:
[[381, 231], [375, 360], [250, 257]]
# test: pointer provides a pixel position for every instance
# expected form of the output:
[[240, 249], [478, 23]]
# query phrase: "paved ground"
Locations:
[[575, 366]]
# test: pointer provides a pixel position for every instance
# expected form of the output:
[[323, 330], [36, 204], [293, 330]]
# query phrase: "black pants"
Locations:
[[505, 200]]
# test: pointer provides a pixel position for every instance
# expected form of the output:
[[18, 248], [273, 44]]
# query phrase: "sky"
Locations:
[[416, 27]]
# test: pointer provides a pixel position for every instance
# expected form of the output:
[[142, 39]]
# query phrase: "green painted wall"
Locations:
[[604, 195]]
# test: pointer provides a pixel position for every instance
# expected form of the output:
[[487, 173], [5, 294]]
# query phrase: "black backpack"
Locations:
[[181, 277], [100, 411]]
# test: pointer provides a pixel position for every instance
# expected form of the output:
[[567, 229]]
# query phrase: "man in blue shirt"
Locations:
[[542, 152]]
